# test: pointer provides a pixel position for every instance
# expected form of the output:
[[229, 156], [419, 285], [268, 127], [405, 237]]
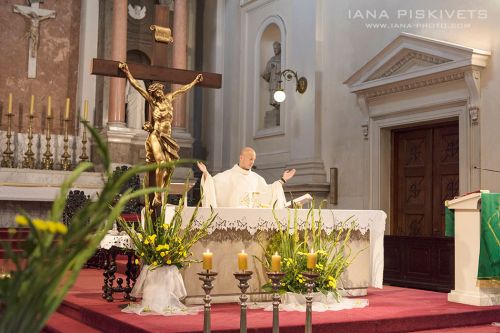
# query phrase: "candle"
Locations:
[[86, 110], [10, 103], [276, 262], [66, 114], [242, 261], [311, 259], [32, 106], [207, 260], [49, 107]]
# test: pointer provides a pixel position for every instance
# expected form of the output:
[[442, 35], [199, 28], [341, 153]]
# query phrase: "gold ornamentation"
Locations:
[[160, 146], [162, 34]]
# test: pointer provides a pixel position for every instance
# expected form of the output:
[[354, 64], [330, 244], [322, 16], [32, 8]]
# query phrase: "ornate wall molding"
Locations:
[[404, 86], [412, 55]]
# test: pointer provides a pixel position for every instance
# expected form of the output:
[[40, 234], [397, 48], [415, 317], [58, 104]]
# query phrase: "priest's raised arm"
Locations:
[[241, 187]]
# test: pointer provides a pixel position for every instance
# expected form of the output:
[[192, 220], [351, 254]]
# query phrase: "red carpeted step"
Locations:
[[465, 329], [59, 323]]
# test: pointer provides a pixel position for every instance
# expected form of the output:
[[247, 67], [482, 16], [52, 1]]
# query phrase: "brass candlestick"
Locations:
[[83, 156], [276, 278], [29, 160], [7, 158], [207, 277], [48, 160], [65, 157], [243, 278], [310, 277]]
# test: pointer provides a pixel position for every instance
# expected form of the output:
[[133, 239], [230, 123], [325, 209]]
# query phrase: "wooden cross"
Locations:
[[159, 70]]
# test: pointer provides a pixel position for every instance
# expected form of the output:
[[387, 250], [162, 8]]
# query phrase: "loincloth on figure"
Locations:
[[169, 147]]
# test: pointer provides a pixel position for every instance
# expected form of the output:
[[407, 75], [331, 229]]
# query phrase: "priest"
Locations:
[[241, 187]]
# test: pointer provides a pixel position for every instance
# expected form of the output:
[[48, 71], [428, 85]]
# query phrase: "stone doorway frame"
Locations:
[[416, 80]]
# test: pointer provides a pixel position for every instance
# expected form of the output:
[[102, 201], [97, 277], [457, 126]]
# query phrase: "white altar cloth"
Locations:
[[257, 219]]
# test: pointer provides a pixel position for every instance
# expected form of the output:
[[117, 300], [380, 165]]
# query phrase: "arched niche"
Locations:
[[268, 118]]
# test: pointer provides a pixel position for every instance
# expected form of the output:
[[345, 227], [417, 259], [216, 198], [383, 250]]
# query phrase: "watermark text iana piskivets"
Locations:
[[417, 14]]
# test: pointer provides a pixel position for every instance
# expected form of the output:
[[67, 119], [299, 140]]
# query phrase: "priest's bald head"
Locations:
[[247, 158]]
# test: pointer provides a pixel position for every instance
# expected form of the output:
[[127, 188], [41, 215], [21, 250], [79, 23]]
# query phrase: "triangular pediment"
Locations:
[[406, 61], [409, 58]]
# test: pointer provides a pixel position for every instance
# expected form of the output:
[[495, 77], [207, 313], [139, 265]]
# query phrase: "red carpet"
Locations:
[[391, 309]]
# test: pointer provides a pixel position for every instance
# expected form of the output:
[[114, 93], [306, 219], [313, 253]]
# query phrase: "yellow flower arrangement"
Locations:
[[334, 254], [161, 243]]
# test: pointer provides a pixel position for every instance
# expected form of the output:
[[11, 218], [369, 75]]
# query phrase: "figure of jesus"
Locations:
[[160, 146], [35, 15]]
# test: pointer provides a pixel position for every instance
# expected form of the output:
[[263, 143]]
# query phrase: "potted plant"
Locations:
[[163, 242]]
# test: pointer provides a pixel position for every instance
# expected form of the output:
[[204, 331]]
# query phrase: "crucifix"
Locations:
[[36, 15], [160, 146]]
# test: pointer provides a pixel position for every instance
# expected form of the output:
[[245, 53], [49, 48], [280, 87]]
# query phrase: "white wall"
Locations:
[[327, 46]]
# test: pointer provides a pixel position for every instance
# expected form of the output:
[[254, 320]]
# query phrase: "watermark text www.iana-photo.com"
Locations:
[[417, 18]]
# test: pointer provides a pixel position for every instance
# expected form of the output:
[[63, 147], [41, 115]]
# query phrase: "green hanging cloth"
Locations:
[[489, 253], [449, 222]]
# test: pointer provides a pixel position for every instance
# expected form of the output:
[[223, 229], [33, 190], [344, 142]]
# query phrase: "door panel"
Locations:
[[425, 174]]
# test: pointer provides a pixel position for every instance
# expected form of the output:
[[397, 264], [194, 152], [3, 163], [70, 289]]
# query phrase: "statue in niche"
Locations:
[[272, 74], [136, 105]]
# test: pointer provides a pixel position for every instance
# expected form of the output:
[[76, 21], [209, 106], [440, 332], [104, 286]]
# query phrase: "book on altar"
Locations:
[[301, 201]]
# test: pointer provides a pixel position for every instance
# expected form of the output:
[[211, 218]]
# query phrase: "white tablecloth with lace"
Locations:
[[255, 219]]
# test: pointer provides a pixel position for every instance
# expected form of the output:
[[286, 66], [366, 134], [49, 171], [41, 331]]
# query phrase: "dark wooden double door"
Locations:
[[425, 173]]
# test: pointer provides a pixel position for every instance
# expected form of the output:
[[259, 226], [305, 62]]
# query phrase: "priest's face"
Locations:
[[247, 159]]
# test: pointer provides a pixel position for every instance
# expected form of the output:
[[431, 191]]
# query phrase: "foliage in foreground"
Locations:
[[333, 250], [54, 253]]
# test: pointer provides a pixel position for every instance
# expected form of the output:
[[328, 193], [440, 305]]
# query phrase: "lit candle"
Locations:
[[66, 114], [32, 106], [49, 107], [86, 110], [207, 260], [311, 259], [10, 103], [276, 262], [242, 261]]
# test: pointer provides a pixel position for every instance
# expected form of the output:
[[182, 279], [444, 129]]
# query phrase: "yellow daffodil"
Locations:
[[21, 219]]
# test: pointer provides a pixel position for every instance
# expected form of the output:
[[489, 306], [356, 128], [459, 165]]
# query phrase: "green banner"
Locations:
[[449, 222], [489, 253]]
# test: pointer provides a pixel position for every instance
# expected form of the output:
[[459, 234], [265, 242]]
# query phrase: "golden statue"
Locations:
[[160, 146]]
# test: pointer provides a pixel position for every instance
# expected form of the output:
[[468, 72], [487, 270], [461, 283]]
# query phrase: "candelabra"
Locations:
[[207, 277], [48, 161], [7, 158], [65, 157], [29, 160], [83, 156], [310, 283], [276, 278], [243, 278]]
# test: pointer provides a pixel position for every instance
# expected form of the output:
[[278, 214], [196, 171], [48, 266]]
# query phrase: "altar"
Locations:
[[235, 229]]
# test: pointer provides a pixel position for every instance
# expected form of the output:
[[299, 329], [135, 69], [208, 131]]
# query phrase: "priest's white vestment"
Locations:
[[238, 187]]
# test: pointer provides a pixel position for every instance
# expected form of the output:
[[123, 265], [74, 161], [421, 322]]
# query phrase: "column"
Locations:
[[116, 111], [179, 58]]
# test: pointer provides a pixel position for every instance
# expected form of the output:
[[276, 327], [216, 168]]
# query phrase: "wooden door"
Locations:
[[426, 164], [425, 174]]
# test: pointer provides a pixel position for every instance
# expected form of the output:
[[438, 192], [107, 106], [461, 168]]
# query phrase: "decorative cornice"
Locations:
[[412, 55], [404, 86]]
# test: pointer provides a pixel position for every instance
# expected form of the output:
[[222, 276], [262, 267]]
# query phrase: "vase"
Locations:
[[161, 289]]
